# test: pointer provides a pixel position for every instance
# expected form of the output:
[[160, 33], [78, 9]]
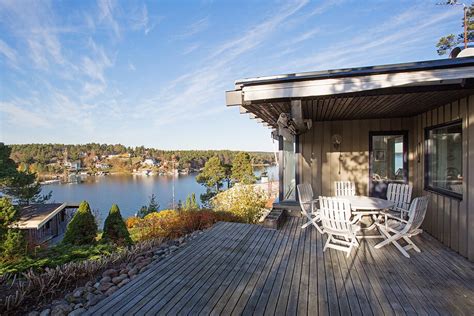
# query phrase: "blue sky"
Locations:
[[154, 73]]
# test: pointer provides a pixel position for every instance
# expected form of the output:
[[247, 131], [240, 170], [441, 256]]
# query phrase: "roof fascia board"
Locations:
[[321, 87]]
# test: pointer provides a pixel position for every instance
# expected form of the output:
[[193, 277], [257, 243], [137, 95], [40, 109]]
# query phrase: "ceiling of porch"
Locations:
[[382, 103]]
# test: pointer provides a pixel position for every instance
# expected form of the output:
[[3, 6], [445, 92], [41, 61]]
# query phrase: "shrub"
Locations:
[[191, 203], [173, 224], [244, 201], [114, 228], [133, 221], [82, 230], [13, 245]]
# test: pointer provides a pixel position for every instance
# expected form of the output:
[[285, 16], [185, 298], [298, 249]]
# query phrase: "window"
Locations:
[[289, 168], [388, 160], [443, 159]]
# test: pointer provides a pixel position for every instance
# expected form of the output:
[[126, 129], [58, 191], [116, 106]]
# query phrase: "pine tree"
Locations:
[[242, 171], [82, 230], [448, 42], [115, 230], [152, 207], [212, 176], [191, 203]]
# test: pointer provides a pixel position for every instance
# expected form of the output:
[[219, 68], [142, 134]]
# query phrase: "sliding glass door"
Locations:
[[388, 160], [288, 172]]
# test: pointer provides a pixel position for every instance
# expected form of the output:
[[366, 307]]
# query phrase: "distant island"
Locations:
[[58, 162]]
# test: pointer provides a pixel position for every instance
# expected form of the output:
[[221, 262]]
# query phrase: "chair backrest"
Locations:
[[305, 195], [416, 214], [345, 188], [400, 194], [335, 214]]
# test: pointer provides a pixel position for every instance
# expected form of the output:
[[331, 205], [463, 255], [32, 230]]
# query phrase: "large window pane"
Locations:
[[444, 159], [289, 169], [388, 161]]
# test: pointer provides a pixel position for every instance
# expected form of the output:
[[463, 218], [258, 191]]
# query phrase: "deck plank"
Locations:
[[243, 269]]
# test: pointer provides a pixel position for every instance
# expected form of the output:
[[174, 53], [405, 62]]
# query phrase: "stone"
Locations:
[[133, 277], [105, 279], [96, 285], [110, 273], [33, 313], [173, 248], [78, 312], [93, 299], [143, 269], [78, 292], [61, 310], [119, 278], [138, 259], [160, 252], [105, 286], [45, 312], [89, 283], [125, 281], [123, 271], [77, 306], [112, 290], [132, 272]]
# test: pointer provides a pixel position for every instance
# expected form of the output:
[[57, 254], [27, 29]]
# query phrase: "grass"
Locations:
[[55, 256]]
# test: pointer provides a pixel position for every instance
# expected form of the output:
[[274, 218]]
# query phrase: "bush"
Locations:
[[244, 201], [13, 245], [173, 224], [115, 230], [82, 230], [133, 221]]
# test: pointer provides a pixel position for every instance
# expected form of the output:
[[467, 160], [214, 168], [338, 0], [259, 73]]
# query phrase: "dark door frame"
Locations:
[[404, 133]]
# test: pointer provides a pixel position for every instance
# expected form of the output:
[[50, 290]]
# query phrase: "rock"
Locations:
[[125, 281], [180, 240], [45, 312], [78, 292], [133, 277], [77, 306], [105, 286], [61, 310], [105, 279], [173, 248], [119, 278], [110, 273], [78, 312], [93, 299], [89, 283], [160, 252], [112, 290], [132, 272], [96, 285], [33, 313], [143, 269], [123, 271], [138, 259]]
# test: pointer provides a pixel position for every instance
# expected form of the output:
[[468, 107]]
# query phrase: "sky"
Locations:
[[155, 73]]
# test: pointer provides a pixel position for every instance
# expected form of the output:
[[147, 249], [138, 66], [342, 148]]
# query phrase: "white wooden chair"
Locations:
[[345, 188], [308, 205], [395, 228], [335, 214], [400, 194]]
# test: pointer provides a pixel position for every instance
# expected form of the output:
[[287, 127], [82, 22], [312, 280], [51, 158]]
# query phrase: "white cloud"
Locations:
[[9, 53], [95, 66], [106, 15], [19, 116], [195, 28], [191, 48], [131, 66]]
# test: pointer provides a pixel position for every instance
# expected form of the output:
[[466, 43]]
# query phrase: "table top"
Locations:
[[367, 203]]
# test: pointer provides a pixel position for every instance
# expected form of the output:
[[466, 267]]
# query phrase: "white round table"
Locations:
[[367, 204], [367, 207]]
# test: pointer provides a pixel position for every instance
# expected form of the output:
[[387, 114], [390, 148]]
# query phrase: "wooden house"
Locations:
[[407, 123]]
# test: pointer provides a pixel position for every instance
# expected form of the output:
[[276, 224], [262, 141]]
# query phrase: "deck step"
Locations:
[[275, 219]]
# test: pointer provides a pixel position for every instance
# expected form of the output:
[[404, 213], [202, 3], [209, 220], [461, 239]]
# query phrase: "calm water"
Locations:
[[130, 192]]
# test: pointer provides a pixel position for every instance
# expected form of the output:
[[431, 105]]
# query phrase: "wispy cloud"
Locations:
[[9, 53], [20, 116], [304, 36], [191, 48], [194, 28], [106, 15], [131, 66], [95, 66]]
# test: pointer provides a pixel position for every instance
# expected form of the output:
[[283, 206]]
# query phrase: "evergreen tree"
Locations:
[[448, 42], [7, 165], [212, 176], [82, 230], [12, 241], [242, 171], [152, 207], [114, 228], [191, 203]]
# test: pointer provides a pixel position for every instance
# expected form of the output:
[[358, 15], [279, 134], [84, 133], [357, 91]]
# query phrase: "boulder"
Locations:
[[110, 273], [33, 313], [125, 281], [119, 278], [78, 292], [93, 299], [105, 286], [105, 279], [112, 290], [132, 272], [46, 312], [61, 310], [78, 312]]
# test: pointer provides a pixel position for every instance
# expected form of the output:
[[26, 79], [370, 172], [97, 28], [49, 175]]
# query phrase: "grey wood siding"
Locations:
[[449, 220]]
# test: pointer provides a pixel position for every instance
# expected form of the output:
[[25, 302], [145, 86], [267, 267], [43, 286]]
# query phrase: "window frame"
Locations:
[[427, 154]]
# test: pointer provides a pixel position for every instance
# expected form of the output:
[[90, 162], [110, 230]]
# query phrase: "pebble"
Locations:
[[78, 312], [105, 286], [125, 281], [45, 312]]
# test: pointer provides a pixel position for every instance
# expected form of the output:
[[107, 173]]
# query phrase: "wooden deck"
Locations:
[[246, 269]]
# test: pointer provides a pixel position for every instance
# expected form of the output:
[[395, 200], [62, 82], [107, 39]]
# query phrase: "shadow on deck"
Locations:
[[246, 269]]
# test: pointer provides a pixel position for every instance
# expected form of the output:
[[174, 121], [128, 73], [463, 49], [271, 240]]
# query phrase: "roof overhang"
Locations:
[[423, 84], [36, 222]]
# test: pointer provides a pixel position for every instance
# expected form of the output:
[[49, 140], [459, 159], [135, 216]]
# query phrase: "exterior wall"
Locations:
[[57, 226], [449, 220]]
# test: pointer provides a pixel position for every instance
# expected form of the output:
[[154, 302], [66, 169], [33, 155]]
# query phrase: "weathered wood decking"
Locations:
[[246, 269]]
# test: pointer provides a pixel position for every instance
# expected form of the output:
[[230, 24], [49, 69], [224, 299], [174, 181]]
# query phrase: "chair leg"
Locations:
[[327, 242], [412, 244]]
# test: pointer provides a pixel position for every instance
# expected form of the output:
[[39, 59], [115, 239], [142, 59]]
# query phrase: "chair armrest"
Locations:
[[394, 217]]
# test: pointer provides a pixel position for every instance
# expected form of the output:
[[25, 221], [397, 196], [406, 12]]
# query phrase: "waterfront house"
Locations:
[[405, 123], [45, 223], [149, 162], [72, 165]]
